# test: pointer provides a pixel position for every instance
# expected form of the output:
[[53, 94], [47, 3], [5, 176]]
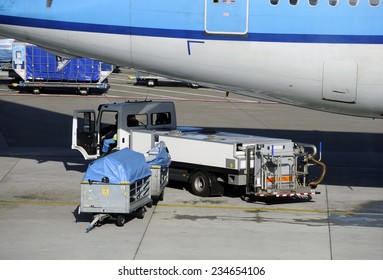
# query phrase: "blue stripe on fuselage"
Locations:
[[189, 34]]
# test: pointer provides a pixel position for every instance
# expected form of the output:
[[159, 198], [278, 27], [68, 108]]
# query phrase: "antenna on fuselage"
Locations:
[[49, 3]]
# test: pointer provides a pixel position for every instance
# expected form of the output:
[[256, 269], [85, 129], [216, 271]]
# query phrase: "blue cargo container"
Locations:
[[39, 69]]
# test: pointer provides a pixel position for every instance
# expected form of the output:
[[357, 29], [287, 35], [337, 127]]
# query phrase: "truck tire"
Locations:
[[200, 183], [151, 83], [83, 91]]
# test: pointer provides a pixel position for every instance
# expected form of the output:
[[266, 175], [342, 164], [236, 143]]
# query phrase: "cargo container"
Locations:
[[38, 69]]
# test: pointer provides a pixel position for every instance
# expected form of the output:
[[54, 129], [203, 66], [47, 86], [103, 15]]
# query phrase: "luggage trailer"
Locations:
[[117, 198], [114, 201]]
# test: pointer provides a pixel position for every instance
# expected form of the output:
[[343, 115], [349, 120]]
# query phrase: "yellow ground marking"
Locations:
[[223, 207]]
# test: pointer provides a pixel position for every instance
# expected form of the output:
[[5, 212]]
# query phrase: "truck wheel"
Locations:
[[120, 221], [200, 183], [194, 85], [83, 92], [151, 83]]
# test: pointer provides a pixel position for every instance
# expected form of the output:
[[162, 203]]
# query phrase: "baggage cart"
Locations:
[[122, 183], [115, 201]]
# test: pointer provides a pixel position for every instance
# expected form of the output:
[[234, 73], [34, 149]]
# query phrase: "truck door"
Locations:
[[226, 17], [84, 134]]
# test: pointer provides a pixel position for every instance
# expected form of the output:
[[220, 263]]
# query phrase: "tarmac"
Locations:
[[40, 185]]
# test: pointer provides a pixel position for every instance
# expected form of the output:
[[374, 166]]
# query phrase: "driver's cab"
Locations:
[[115, 122]]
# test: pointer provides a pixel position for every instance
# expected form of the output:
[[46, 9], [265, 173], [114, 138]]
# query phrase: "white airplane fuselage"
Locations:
[[318, 56]]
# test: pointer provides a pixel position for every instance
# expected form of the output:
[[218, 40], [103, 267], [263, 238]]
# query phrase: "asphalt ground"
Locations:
[[40, 176]]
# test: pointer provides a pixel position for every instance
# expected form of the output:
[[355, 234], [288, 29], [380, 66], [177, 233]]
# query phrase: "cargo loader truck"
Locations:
[[206, 159]]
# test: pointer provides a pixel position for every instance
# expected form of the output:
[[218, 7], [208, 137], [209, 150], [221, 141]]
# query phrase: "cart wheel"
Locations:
[[120, 221], [161, 198], [150, 204], [140, 213]]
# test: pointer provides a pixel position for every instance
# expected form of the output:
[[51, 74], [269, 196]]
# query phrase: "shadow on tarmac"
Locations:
[[352, 158]]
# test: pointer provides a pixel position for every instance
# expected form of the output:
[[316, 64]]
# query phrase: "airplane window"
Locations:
[[374, 3], [353, 2], [293, 2], [333, 2], [274, 2], [215, 1], [313, 2]]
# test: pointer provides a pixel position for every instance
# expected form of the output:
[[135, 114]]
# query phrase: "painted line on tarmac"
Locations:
[[261, 209], [222, 207], [39, 203], [157, 97]]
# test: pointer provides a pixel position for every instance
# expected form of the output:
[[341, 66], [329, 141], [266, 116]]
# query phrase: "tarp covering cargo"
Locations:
[[33, 63], [42, 65], [160, 156], [122, 166], [6, 50]]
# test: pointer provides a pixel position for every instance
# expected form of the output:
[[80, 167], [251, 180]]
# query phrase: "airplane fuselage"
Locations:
[[317, 56]]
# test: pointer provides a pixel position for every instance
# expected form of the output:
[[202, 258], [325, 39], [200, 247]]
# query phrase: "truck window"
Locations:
[[161, 118], [137, 120]]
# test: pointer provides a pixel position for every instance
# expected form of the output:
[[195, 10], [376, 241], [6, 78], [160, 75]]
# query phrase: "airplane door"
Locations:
[[340, 81], [226, 17]]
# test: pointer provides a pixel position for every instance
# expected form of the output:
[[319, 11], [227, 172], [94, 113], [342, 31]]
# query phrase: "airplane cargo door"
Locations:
[[340, 81], [226, 17]]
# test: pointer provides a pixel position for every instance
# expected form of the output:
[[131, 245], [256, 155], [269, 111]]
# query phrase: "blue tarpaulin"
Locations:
[[122, 166], [162, 156], [42, 66]]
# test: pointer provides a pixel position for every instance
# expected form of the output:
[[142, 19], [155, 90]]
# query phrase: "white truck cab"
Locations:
[[89, 128]]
